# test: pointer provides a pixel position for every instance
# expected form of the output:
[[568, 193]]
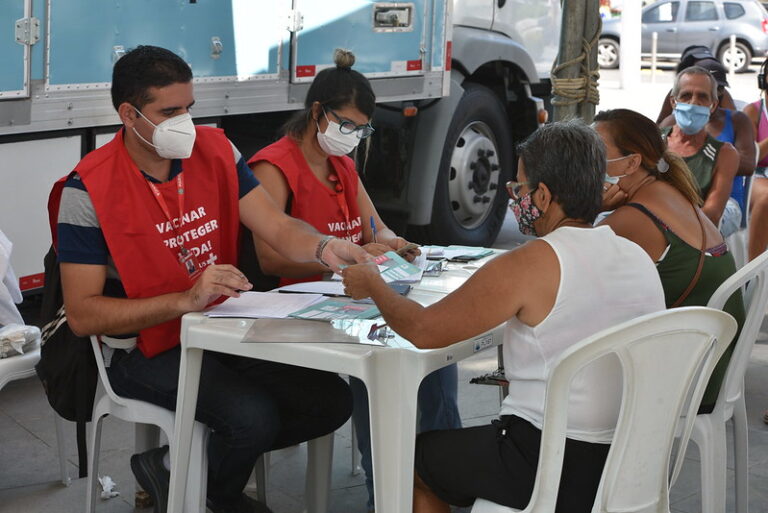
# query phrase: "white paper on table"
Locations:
[[271, 305], [327, 288], [434, 252], [450, 252]]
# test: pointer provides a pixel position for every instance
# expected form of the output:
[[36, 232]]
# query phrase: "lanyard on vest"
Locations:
[[341, 200], [186, 257]]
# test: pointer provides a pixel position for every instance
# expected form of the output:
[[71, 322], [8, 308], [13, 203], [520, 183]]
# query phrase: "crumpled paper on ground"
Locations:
[[107, 487], [15, 339]]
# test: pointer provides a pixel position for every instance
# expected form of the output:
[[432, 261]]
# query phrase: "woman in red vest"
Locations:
[[310, 176]]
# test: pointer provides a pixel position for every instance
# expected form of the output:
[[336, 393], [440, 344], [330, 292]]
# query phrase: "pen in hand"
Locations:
[[373, 229]]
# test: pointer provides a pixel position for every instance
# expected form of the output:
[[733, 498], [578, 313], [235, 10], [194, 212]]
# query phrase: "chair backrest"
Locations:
[[103, 378], [663, 356], [752, 279]]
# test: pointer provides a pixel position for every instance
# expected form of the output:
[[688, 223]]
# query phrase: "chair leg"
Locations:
[[94, 448], [197, 478], [260, 474], [741, 455], [63, 470], [712, 448], [319, 465], [355, 454], [503, 389]]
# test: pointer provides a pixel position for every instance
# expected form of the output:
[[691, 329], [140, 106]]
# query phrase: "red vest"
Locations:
[[311, 200], [141, 240]]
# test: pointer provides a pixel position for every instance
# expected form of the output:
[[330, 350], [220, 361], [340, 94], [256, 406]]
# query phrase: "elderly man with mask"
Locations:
[[713, 163]]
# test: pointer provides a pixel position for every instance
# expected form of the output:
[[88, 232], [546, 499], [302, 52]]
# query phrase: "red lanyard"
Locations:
[[187, 258], [341, 199], [164, 206]]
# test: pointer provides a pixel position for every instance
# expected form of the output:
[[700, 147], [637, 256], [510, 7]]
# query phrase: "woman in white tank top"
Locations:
[[572, 282]]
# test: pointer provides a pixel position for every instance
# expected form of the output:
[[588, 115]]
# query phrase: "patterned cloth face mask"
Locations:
[[525, 213]]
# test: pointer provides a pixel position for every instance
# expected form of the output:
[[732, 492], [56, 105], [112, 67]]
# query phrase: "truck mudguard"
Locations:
[[474, 47], [430, 140]]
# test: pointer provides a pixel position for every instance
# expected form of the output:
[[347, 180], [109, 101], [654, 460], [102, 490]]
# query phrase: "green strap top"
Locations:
[[677, 267], [701, 163]]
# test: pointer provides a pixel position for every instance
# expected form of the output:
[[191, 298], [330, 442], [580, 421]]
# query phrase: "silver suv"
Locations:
[[682, 23]]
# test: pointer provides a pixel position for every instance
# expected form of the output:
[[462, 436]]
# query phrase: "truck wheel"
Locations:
[[608, 53], [741, 58], [470, 199]]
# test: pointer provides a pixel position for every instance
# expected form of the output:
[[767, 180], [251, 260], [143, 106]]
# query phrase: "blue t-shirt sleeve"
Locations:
[[246, 180], [245, 177]]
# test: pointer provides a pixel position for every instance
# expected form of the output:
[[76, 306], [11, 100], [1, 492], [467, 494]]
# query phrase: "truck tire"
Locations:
[[470, 199], [742, 57]]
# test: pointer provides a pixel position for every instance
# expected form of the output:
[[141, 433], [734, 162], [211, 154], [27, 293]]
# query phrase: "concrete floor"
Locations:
[[29, 476]]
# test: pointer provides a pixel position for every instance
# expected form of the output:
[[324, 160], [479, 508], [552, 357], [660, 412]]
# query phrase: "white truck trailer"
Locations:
[[458, 83]]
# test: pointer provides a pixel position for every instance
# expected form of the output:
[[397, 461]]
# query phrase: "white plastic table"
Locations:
[[391, 373]]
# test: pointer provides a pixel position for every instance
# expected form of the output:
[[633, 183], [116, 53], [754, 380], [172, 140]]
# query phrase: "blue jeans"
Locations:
[[438, 409], [730, 221], [252, 406]]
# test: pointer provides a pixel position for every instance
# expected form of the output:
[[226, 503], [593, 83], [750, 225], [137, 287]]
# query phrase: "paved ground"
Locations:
[[28, 461]]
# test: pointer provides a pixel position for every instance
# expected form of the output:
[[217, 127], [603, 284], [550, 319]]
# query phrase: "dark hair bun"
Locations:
[[343, 59]]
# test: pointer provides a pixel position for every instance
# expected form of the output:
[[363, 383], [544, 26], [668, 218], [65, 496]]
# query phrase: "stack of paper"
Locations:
[[271, 305], [461, 253]]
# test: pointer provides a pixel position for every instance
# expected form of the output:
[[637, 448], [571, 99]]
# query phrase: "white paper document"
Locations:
[[270, 305], [450, 252]]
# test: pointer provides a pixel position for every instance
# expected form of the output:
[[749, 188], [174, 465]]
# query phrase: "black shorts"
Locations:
[[498, 463]]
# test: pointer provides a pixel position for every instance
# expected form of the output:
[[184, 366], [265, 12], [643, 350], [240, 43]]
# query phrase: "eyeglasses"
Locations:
[[347, 127], [513, 188]]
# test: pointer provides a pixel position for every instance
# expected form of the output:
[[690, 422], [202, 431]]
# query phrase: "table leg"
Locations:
[[392, 394], [186, 404]]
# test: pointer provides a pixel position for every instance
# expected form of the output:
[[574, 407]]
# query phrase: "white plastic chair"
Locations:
[[709, 429], [21, 367], [738, 241], [319, 451], [656, 390], [109, 403]]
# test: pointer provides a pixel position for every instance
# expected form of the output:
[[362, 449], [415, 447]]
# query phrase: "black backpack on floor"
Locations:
[[67, 366]]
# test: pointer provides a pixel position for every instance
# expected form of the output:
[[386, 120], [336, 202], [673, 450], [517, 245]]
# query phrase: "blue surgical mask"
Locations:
[[613, 180], [691, 118]]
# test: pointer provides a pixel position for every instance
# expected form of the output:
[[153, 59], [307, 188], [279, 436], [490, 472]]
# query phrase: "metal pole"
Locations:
[[654, 46], [571, 36], [629, 54], [591, 27], [732, 54]]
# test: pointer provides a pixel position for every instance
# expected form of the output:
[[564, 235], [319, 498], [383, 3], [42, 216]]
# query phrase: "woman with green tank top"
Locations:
[[657, 205]]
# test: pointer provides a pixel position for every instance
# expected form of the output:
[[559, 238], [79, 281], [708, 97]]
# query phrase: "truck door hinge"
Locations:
[[27, 31], [295, 21]]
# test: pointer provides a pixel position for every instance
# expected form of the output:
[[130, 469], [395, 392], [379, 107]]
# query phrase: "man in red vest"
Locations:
[[146, 230]]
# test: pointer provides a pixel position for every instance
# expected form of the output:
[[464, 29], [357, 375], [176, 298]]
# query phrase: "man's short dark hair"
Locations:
[[569, 157], [144, 67]]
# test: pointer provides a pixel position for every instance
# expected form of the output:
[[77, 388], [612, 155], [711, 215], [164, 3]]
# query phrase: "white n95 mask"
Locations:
[[333, 142], [174, 138]]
